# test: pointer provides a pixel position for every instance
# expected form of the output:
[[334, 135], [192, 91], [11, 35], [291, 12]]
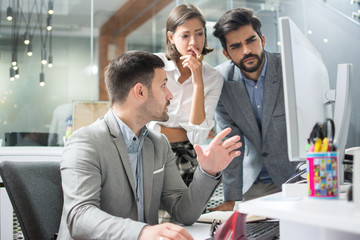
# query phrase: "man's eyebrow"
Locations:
[[251, 38], [235, 45]]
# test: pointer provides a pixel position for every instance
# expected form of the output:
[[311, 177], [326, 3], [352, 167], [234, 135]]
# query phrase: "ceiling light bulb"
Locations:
[[29, 50], [42, 79], [9, 15], [17, 74], [48, 23], [50, 64], [43, 56], [51, 7], [26, 38], [14, 59]]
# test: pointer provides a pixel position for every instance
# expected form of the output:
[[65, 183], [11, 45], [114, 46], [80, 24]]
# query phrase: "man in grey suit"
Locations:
[[116, 172], [252, 104]]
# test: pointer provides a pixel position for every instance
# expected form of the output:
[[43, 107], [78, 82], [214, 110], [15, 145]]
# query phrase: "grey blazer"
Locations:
[[99, 188], [268, 146]]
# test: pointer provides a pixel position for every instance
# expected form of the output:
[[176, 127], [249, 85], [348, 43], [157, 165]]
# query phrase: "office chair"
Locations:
[[35, 192]]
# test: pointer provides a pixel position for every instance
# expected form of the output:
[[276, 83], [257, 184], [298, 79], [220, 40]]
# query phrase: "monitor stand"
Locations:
[[342, 112]]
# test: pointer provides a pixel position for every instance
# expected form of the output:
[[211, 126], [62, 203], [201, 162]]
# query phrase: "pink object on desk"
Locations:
[[322, 174], [233, 228]]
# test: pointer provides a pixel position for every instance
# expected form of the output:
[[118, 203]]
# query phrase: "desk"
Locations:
[[20, 154], [199, 231], [305, 218]]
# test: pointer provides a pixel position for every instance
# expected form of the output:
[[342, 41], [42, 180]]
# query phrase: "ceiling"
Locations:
[[70, 16], [73, 17]]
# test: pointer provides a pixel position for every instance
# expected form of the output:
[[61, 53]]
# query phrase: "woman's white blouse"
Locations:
[[180, 105]]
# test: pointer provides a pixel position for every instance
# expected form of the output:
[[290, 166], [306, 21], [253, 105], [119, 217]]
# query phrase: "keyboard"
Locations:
[[262, 230]]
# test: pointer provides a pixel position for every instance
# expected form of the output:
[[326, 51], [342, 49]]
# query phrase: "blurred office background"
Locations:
[[76, 45]]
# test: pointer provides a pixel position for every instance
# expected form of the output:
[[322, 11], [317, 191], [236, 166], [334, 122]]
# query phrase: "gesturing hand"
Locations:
[[218, 154]]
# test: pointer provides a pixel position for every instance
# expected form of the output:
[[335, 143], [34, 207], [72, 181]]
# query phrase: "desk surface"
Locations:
[[332, 214], [199, 231]]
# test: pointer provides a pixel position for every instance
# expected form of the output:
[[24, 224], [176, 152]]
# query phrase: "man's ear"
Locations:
[[226, 54], [140, 92], [263, 42]]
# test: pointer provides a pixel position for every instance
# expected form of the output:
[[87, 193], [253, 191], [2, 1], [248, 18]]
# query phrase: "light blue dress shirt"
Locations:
[[134, 148], [256, 94]]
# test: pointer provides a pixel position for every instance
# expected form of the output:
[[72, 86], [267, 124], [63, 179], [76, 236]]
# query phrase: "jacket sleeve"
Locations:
[[82, 182]]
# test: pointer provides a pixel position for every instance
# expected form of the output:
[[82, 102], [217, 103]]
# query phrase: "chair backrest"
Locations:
[[35, 192]]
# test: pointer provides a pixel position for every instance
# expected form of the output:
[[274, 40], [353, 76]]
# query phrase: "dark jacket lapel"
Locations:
[[271, 90], [244, 117]]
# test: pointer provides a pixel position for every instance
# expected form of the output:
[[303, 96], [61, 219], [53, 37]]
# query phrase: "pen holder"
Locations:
[[322, 175]]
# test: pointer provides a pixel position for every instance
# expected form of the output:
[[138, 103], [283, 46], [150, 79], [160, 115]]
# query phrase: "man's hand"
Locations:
[[225, 206], [218, 154], [165, 231]]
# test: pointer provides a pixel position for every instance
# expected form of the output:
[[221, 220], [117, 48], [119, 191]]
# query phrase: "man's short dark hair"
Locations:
[[128, 69], [232, 20]]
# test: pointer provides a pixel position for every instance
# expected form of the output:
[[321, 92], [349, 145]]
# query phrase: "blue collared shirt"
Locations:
[[134, 147], [256, 94]]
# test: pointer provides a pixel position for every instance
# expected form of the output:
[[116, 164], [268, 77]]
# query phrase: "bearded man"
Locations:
[[252, 104]]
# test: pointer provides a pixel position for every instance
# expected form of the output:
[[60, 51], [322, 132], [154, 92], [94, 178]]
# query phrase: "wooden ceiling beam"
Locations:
[[128, 18], [131, 15]]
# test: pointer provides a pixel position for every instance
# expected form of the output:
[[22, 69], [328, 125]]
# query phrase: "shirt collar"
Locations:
[[170, 65], [128, 135]]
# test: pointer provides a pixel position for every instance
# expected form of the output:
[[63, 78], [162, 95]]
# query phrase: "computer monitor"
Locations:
[[307, 92]]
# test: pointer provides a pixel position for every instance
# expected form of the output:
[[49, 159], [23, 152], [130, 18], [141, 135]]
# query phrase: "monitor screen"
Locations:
[[307, 92], [305, 79]]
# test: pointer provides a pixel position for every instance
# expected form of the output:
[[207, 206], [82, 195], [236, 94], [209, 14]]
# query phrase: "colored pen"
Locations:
[[317, 145], [325, 145], [311, 148]]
